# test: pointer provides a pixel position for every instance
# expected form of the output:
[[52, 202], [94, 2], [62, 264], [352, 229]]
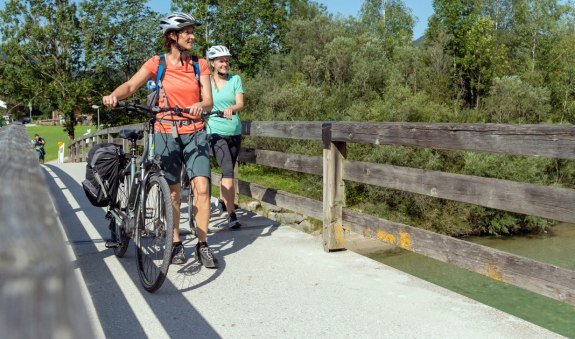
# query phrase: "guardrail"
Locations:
[[532, 140], [39, 293]]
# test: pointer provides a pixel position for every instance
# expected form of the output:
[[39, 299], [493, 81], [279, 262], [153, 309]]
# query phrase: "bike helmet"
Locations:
[[177, 21], [218, 51]]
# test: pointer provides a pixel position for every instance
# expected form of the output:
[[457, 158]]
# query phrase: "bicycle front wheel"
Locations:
[[155, 233]]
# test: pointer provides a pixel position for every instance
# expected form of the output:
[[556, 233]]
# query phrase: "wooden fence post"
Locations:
[[83, 154], [90, 145], [334, 154], [71, 154]]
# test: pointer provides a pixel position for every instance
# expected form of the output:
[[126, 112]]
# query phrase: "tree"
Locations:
[[43, 56], [483, 57], [252, 29], [561, 77], [118, 36], [390, 20]]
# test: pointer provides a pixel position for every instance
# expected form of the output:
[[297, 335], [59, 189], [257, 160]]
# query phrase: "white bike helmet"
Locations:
[[218, 51], [177, 21]]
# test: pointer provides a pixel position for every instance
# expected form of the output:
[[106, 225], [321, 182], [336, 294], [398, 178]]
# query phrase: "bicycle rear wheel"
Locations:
[[119, 236], [155, 233]]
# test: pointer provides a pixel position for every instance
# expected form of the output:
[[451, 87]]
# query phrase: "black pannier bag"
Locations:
[[105, 161]]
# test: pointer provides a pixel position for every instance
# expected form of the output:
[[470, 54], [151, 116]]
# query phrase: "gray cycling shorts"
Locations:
[[191, 149]]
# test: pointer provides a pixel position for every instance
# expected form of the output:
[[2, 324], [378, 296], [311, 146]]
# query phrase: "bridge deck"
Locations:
[[274, 281]]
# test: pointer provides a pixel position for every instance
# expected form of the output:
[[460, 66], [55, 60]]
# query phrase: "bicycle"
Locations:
[[143, 208]]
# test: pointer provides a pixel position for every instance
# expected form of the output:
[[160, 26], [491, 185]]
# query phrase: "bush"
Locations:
[[514, 101]]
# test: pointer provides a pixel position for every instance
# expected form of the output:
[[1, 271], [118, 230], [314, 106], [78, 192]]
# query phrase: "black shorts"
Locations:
[[225, 149]]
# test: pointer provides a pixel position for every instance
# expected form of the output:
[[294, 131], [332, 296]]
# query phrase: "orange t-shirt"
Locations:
[[181, 88]]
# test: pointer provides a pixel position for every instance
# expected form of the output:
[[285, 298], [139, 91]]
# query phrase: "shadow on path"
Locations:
[[108, 292]]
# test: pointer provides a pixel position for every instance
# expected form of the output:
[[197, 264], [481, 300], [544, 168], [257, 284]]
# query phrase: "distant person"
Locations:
[[180, 140], [225, 134], [39, 143]]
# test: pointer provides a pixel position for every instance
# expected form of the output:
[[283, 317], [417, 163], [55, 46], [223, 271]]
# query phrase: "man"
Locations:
[[39, 147]]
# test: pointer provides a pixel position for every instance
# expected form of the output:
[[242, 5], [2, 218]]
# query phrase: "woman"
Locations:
[[225, 133], [188, 144]]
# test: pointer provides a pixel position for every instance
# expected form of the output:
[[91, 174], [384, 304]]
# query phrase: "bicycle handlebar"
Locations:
[[137, 108]]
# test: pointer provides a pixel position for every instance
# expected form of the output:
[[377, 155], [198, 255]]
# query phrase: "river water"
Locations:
[[557, 248]]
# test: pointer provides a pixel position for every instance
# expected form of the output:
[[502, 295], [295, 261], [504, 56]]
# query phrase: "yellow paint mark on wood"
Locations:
[[387, 237], [404, 240], [339, 235], [493, 272]]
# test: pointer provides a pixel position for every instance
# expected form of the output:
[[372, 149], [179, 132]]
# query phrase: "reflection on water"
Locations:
[[557, 249]]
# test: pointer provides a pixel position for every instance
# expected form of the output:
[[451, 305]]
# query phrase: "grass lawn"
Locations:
[[53, 134]]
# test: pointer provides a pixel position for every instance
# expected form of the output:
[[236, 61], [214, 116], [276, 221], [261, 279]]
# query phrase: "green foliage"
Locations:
[[483, 57], [53, 73], [127, 35], [512, 100], [252, 30], [65, 57]]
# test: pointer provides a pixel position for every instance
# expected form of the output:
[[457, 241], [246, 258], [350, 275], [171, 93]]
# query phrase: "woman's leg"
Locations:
[[227, 194], [225, 150], [175, 195], [201, 187]]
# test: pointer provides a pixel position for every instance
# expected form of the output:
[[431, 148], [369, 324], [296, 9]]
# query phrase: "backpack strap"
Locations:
[[161, 68], [196, 64], [160, 76]]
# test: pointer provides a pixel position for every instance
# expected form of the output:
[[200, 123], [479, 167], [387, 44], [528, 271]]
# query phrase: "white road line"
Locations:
[[91, 309]]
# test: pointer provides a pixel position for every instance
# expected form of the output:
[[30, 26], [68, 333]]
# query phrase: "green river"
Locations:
[[557, 249]]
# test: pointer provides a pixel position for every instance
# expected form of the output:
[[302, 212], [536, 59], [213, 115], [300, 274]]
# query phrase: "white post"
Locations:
[[97, 108], [30, 106], [61, 147]]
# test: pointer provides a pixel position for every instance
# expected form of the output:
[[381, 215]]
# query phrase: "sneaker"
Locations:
[[222, 205], [233, 222], [205, 255], [178, 257]]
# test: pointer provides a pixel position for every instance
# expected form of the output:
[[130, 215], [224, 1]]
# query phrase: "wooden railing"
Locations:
[[39, 293], [537, 200]]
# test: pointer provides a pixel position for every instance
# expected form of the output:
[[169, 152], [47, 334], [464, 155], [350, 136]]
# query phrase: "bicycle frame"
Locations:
[[134, 188]]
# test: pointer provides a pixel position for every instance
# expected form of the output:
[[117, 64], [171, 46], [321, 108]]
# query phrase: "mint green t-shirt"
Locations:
[[224, 98]]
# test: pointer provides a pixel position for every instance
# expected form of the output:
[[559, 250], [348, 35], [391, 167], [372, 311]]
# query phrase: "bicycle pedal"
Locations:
[[112, 244]]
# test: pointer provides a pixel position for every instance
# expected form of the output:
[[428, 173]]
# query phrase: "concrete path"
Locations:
[[274, 281]]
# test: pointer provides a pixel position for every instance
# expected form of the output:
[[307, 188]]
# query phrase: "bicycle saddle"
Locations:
[[131, 134]]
